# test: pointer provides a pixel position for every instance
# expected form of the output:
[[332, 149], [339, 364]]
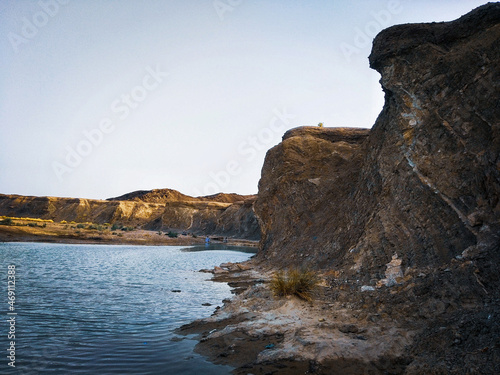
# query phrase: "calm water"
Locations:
[[96, 309]]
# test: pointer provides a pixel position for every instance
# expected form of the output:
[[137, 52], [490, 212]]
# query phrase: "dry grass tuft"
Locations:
[[295, 282]]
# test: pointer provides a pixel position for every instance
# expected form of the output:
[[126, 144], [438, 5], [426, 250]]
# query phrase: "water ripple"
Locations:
[[110, 309]]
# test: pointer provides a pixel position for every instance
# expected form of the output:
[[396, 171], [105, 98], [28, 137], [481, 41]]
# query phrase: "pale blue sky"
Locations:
[[100, 98]]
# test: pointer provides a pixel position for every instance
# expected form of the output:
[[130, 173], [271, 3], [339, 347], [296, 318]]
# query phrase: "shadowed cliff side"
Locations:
[[307, 181]]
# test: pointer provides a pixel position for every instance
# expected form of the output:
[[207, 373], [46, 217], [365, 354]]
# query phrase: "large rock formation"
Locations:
[[406, 216], [162, 209], [304, 194], [424, 183]]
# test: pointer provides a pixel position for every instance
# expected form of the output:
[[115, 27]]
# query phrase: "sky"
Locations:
[[103, 97]]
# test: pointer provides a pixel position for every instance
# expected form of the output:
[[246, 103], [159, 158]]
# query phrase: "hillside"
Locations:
[[226, 215], [170, 195]]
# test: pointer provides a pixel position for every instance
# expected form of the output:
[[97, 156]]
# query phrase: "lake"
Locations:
[[101, 309]]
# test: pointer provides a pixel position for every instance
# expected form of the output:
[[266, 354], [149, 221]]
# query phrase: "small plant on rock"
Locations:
[[295, 282]]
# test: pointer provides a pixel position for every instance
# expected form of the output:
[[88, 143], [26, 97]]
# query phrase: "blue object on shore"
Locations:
[[270, 346]]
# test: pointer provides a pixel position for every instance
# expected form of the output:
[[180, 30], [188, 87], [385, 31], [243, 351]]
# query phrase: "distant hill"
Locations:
[[171, 195], [221, 214]]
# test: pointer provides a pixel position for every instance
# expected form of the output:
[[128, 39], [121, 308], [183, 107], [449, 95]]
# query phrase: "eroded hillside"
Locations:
[[163, 209]]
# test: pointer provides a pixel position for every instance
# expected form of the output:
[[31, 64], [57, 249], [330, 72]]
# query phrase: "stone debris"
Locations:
[[393, 273]]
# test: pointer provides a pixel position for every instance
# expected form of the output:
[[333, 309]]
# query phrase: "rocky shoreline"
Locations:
[[400, 328], [259, 333]]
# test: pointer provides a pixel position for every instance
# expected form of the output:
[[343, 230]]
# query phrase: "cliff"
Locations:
[[162, 209], [423, 182], [406, 215], [306, 184]]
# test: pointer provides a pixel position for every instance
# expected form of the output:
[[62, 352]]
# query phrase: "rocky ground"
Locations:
[[411, 326]]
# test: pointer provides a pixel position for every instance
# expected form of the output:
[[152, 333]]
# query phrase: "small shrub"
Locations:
[[294, 282], [72, 222], [6, 221], [64, 222], [80, 226], [116, 226], [32, 225], [172, 234], [194, 235], [92, 226]]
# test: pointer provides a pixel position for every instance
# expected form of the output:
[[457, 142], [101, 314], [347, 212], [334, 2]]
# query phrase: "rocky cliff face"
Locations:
[[407, 214], [163, 209], [423, 183], [304, 194]]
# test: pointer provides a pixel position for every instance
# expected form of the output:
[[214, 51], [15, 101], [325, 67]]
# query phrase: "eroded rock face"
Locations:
[[424, 183], [163, 209], [306, 181], [407, 217]]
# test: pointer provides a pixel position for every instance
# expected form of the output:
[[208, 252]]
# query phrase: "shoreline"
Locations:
[[59, 233], [258, 333]]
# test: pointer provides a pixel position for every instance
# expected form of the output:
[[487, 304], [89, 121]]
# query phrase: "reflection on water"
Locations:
[[98, 309], [221, 246]]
